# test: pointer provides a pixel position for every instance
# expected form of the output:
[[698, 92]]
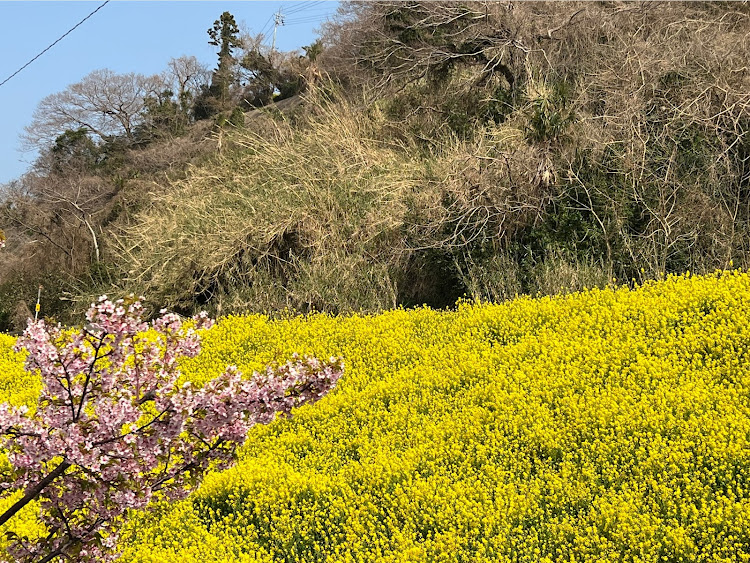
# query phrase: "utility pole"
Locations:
[[277, 21]]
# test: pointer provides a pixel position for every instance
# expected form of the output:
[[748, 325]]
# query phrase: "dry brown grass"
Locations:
[[312, 211]]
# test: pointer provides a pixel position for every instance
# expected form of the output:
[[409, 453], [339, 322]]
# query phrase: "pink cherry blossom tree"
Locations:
[[115, 425]]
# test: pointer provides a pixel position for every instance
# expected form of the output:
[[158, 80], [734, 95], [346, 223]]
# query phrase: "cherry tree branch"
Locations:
[[34, 492]]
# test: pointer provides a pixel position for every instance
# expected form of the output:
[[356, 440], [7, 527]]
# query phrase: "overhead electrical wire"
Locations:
[[303, 12], [55, 42], [319, 18], [284, 11], [300, 7], [311, 19], [311, 13], [266, 26], [292, 24]]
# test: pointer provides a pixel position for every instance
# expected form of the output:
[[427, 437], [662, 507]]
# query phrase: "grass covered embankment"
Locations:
[[608, 425], [437, 150]]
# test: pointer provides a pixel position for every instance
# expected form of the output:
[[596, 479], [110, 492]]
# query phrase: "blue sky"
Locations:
[[124, 36]]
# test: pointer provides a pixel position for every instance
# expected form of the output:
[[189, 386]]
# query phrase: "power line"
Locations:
[[309, 19], [310, 22], [281, 13], [56, 42], [300, 7], [265, 25], [313, 12], [304, 12]]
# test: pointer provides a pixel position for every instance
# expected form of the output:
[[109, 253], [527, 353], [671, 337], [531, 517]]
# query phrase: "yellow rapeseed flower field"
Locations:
[[609, 425]]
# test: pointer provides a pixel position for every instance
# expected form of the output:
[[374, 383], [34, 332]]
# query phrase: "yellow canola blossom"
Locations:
[[17, 386], [609, 425]]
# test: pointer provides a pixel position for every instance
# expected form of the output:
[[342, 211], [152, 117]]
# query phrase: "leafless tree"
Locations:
[[187, 77], [103, 102], [63, 212]]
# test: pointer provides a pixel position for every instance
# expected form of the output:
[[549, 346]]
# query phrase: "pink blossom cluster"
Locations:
[[113, 427]]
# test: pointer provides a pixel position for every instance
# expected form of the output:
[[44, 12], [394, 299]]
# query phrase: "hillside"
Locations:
[[606, 425], [436, 150]]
